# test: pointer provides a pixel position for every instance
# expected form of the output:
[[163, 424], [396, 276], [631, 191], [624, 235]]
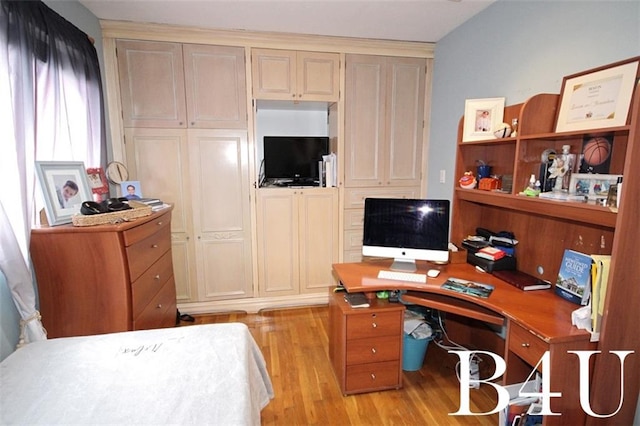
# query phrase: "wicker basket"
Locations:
[[138, 210]]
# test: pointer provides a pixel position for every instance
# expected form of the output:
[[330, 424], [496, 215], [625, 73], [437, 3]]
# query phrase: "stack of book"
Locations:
[[155, 203], [490, 253]]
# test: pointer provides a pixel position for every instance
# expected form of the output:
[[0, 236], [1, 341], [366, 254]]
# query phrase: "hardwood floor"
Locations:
[[295, 345]]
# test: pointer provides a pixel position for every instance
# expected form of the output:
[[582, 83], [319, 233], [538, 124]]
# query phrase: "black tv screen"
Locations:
[[293, 157]]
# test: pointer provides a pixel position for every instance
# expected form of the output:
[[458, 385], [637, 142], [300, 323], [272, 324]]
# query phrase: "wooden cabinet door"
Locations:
[[290, 75], [318, 76], [151, 84], [274, 74], [159, 159], [318, 236], [405, 118], [219, 170], [277, 236], [384, 105], [216, 87], [365, 125]]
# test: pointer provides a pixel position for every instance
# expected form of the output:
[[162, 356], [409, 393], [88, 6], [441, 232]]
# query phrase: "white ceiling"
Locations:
[[417, 20]]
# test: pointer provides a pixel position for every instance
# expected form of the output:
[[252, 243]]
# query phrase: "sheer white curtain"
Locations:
[[50, 109]]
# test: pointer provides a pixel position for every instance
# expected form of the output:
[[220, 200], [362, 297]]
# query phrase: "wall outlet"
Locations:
[[442, 176]]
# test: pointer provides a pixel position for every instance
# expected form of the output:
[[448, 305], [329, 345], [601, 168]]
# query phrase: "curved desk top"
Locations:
[[541, 311]]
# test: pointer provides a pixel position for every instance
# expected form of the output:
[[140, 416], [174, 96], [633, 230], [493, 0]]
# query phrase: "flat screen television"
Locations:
[[406, 230], [294, 158]]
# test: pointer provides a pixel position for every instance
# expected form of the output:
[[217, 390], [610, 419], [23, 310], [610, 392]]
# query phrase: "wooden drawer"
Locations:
[[354, 219], [354, 197], [353, 239], [374, 324], [150, 282], [525, 344], [145, 253], [363, 351], [161, 310], [133, 235], [371, 377]]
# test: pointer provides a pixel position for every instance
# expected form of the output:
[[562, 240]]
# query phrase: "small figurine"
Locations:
[[468, 181]]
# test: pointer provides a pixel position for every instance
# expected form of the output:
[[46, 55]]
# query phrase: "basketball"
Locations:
[[596, 151]]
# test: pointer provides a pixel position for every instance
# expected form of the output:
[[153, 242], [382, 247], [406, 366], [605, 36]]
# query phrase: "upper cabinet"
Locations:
[[384, 105], [151, 84], [298, 76], [171, 85]]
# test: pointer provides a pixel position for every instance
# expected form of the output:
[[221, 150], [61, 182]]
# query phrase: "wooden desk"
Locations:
[[536, 321]]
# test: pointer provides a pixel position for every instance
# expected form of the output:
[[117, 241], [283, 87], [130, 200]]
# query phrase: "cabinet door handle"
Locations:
[[374, 325], [154, 246], [159, 306], [157, 277], [525, 345], [160, 223], [373, 376], [373, 350]]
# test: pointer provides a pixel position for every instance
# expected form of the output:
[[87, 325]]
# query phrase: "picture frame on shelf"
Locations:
[[481, 118], [597, 98], [64, 186], [97, 180], [591, 185]]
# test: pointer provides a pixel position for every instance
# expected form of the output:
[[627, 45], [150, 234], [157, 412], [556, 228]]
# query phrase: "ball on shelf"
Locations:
[[596, 151], [503, 130]]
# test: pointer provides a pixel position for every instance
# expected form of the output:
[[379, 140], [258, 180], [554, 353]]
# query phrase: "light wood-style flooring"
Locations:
[[295, 345]]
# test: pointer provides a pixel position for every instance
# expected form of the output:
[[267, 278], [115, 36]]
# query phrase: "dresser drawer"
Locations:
[[368, 377], [145, 253], [363, 351], [150, 282], [353, 239], [161, 310], [525, 344], [354, 218], [374, 324], [134, 235]]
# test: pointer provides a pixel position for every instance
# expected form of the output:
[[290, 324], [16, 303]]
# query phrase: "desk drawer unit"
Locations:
[[366, 345], [525, 344]]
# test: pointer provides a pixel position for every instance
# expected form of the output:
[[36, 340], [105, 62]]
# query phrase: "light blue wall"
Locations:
[[516, 49]]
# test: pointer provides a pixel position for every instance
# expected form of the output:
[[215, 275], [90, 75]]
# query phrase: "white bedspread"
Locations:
[[199, 374]]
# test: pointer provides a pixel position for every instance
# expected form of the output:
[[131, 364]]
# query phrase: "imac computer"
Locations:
[[406, 230]]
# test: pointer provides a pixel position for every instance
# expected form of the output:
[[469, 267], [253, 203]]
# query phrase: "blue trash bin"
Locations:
[[413, 352]]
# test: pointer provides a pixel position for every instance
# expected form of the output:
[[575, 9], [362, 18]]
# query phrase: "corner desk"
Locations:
[[535, 322]]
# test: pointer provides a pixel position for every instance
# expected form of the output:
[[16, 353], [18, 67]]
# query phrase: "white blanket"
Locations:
[[200, 374]]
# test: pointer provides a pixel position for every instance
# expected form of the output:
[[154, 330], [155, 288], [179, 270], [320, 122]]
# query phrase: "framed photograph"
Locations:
[[598, 98], [131, 190], [593, 186], [65, 187], [481, 118], [97, 181]]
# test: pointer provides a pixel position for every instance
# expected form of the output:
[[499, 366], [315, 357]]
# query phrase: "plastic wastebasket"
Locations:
[[413, 352]]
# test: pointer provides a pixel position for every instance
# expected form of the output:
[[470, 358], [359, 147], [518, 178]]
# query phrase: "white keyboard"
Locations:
[[402, 276]]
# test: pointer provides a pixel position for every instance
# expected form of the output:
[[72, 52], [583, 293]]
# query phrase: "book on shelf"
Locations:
[[574, 277], [356, 300], [522, 280], [491, 253], [471, 288], [599, 281]]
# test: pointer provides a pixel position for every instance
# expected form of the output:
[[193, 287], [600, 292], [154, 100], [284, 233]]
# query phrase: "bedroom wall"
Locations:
[[516, 49]]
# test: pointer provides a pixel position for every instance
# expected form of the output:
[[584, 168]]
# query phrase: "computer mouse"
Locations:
[[432, 273]]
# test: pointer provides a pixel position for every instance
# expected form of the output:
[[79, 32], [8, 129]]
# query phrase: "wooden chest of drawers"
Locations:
[[105, 278], [365, 345]]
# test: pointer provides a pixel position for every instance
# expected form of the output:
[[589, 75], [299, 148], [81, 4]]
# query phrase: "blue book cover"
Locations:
[[574, 277]]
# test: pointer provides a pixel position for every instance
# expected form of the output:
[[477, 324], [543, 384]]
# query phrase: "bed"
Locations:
[[198, 374]]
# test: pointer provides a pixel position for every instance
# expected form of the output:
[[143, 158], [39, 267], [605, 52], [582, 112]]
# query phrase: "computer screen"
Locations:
[[406, 230]]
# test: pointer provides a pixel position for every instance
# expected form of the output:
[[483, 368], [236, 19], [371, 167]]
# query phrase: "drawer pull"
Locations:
[[159, 306], [374, 325], [157, 277], [154, 246], [160, 223], [373, 376], [373, 350], [525, 345]]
